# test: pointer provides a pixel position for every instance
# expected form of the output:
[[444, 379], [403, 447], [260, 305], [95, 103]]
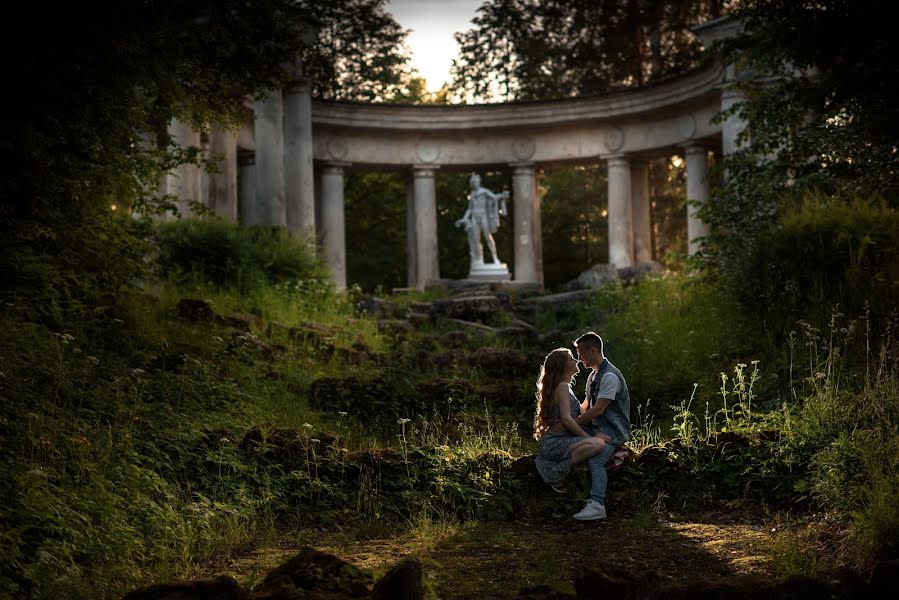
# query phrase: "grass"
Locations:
[[119, 436]]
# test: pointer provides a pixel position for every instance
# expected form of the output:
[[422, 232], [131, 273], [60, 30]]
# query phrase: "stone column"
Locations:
[[424, 198], [184, 181], [621, 234], [697, 159], [640, 211], [299, 176], [269, 134], [411, 241], [333, 228], [246, 167], [526, 231], [223, 185], [733, 125]]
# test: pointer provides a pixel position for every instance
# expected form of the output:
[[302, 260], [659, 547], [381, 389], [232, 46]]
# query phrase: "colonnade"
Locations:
[[273, 172]]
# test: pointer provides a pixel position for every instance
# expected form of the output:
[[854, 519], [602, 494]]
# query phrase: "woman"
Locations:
[[561, 441]]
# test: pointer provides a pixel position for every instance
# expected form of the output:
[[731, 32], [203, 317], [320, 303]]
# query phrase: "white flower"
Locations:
[[315, 441], [93, 360], [342, 413], [403, 421], [137, 372], [307, 425]]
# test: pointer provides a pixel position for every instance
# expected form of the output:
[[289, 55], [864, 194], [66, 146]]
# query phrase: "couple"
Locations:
[[569, 432]]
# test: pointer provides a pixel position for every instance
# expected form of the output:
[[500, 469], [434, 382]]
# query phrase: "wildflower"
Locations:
[[307, 425], [403, 421], [66, 338], [76, 350], [92, 359], [137, 372], [118, 321], [217, 339], [342, 413], [315, 441], [224, 440]]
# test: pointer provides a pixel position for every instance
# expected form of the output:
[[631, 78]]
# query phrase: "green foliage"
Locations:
[[377, 202], [817, 123], [81, 271], [228, 256], [829, 122], [821, 255], [537, 49], [575, 234], [358, 53]]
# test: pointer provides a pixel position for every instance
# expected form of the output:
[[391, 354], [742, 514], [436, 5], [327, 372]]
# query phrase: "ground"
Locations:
[[496, 559]]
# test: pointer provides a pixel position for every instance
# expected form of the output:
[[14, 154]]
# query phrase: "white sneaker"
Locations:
[[592, 511]]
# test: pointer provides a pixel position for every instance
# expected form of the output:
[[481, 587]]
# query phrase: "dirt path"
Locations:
[[495, 560]]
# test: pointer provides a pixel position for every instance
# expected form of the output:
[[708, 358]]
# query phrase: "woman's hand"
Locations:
[[604, 437]]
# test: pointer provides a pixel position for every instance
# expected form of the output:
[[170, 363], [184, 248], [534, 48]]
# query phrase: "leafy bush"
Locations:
[[822, 255], [229, 256]]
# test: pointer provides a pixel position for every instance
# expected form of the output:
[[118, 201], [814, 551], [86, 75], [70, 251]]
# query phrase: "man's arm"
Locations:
[[600, 407]]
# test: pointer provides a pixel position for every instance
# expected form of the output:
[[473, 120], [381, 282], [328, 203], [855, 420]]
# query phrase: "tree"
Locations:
[[91, 84], [822, 86], [359, 53], [537, 49]]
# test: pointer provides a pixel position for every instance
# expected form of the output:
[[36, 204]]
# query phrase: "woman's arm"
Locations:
[[564, 404]]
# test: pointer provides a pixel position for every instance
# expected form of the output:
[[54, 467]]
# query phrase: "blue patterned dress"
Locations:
[[554, 448]]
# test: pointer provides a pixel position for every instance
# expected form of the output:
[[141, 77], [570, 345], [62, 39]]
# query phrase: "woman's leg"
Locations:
[[581, 451]]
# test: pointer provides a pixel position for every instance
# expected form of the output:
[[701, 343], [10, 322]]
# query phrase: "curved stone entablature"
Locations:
[[659, 117]]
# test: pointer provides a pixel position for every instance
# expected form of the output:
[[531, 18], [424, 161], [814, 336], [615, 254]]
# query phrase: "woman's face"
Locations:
[[571, 367]]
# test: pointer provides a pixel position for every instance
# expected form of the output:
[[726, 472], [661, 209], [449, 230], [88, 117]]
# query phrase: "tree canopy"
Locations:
[[533, 49]]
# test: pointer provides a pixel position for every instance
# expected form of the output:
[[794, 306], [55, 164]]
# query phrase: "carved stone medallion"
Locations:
[[427, 151], [613, 138], [337, 148], [523, 148], [686, 126]]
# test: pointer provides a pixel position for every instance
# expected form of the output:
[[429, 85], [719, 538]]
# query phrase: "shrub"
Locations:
[[821, 255], [229, 256]]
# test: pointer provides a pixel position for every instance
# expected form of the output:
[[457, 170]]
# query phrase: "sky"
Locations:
[[433, 23]]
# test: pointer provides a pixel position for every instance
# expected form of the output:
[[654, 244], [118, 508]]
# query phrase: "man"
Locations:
[[482, 218], [606, 410]]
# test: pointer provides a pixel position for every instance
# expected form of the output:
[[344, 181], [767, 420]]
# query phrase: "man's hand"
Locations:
[[604, 437]]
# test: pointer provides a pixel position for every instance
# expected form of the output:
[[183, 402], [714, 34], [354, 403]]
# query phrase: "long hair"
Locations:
[[551, 375]]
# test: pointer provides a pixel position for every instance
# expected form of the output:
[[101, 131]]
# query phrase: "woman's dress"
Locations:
[[554, 448]]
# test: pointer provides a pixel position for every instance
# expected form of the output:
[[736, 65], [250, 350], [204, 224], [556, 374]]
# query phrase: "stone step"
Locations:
[[420, 307]]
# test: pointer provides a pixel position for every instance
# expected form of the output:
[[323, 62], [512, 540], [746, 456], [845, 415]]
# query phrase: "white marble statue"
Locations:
[[482, 218]]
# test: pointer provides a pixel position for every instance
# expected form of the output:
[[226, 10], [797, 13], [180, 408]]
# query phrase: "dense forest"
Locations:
[[189, 399]]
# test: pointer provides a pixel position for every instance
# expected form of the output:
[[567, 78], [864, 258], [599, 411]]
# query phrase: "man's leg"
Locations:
[[599, 480]]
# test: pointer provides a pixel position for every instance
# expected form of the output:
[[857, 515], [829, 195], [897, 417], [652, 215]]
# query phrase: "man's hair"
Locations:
[[590, 339]]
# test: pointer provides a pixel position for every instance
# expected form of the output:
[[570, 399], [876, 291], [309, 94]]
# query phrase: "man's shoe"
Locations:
[[592, 511], [558, 487]]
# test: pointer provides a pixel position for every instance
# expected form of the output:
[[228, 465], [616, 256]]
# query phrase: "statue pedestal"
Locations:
[[489, 272]]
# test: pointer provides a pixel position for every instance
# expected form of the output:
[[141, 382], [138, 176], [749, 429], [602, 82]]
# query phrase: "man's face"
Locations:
[[587, 355]]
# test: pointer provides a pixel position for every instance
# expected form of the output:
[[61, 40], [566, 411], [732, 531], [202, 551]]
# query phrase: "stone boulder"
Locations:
[[402, 582], [469, 308], [635, 273], [285, 445], [314, 571], [194, 310], [378, 307], [595, 277]]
